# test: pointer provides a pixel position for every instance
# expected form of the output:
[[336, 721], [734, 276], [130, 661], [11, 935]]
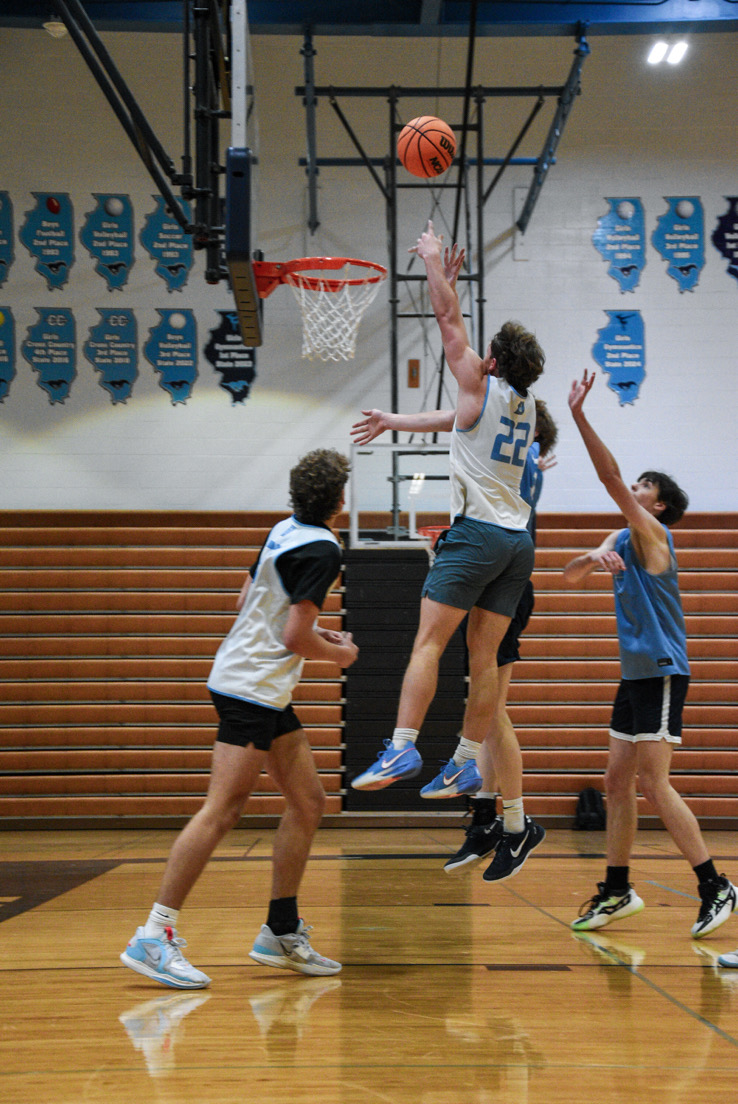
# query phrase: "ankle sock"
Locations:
[[466, 751], [706, 872], [160, 918], [514, 815], [617, 881], [403, 737], [283, 918]]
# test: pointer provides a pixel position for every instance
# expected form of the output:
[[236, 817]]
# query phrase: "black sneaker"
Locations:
[[481, 840], [513, 850], [718, 901]]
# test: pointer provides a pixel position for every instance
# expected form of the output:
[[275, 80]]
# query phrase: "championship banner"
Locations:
[[620, 238], [172, 350], [107, 235], [680, 239], [620, 351], [51, 349], [48, 235], [234, 361], [167, 244], [725, 236], [112, 350], [7, 351], [7, 252]]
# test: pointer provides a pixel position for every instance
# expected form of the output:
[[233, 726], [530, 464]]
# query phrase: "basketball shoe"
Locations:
[[603, 908], [481, 840], [512, 851], [291, 952], [160, 958], [391, 765], [718, 901], [454, 780]]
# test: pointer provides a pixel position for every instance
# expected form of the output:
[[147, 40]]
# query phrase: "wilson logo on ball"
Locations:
[[426, 146]]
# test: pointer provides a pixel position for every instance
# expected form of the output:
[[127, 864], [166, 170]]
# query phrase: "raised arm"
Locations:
[[377, 421], [465, 364], [647, 533]]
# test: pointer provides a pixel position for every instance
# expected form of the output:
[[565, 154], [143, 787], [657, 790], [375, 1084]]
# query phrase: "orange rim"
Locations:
[[292, 273]]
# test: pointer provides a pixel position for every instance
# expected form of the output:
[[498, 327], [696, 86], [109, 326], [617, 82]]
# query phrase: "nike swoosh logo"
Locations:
[[515, 853], [387, 763], [452, 779], [152, 956]]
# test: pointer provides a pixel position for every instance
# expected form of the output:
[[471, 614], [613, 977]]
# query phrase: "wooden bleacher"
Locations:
[[109, 622]]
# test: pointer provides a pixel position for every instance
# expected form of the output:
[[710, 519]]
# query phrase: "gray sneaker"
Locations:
[[291, 952]]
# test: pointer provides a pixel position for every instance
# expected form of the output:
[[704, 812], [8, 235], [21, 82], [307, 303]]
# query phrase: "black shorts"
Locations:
[[508, 651], [649, 709], [245, 723]]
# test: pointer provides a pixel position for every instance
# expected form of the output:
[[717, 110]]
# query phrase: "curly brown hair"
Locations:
[[519, 357], [547, 433], [316, 485]]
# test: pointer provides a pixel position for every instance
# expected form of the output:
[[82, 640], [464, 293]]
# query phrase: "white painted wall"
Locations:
[[634, 131]]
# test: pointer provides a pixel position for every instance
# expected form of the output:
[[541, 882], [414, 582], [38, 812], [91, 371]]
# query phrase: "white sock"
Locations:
[[401, 737], [489, 794], [466, 751], [514, 816], [160, 918]]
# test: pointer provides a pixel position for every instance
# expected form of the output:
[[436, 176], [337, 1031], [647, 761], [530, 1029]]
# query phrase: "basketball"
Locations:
[[426, 146]]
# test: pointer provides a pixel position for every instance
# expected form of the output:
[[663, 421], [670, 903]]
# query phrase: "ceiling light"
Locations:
[[54, 27], [659, 50], [676, 53]]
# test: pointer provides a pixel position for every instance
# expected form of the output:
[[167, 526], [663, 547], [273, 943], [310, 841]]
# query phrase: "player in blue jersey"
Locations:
[[254, 673], [485, 560], [646, 721]]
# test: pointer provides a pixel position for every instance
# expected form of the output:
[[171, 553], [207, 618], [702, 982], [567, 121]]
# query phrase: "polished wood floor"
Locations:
[[452, 992]]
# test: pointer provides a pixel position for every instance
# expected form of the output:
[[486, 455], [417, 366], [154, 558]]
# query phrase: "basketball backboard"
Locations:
[[242, 166]]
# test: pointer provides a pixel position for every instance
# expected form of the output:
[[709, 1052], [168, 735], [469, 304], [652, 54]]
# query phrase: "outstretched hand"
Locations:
[[610, 561], [543, 463], [452, 262], [579, 391], [370, 427], [429, 243]]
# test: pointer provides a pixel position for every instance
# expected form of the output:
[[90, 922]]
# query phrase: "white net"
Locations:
[[330, 314]]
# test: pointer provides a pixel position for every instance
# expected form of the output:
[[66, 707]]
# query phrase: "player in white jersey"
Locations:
[[646, 722], [251, 682], [482, 566]]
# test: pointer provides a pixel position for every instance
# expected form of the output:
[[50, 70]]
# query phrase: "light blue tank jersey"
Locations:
[[651, 630]]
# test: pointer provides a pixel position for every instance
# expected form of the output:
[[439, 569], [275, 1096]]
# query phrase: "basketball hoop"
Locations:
[[331, 306]]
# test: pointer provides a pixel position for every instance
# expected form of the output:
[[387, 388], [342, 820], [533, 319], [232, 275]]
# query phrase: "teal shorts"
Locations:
[[483, 565]]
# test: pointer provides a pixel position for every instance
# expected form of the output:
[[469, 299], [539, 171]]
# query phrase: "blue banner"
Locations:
[[7, 252], [7, 351], [51, 350], [112, 350], [172, 350], [48, 235], [107, 235], [166, 242], [725, 236], [680, 239], [620, 238], [620, 351], [234, 361]]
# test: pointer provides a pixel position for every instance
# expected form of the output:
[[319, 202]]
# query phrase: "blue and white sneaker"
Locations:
[[454, 780], [291, 952], [391, 765], [160, 958]]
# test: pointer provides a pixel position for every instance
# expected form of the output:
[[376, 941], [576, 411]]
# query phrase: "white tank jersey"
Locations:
[[253, 663], [487, 461]]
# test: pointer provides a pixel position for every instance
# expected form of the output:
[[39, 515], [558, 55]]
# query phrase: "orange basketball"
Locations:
[[426, 146]]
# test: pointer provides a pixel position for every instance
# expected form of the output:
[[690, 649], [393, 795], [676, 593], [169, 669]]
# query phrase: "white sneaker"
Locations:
[[160, 958], [718, 901], [602, 909], [291, 952]]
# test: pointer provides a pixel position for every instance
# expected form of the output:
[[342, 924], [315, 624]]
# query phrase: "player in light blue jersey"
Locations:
[[646, 721], [254, 673], [483, 564]]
